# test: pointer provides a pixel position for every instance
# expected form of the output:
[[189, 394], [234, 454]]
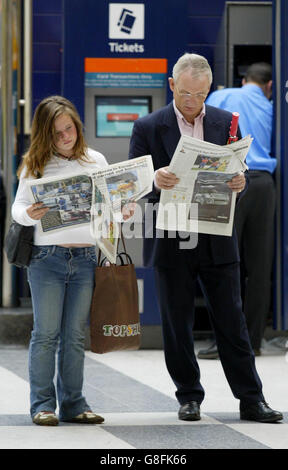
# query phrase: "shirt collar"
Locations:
[[182, 118], [254, 87]]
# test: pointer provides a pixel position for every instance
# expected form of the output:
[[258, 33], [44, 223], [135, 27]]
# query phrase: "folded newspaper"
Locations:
[[202, 202], [94, 198]]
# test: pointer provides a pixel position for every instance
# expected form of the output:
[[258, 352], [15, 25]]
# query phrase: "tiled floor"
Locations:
[[135, 394]]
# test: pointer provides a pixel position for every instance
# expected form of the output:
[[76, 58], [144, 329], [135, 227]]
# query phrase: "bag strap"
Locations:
[[124, 246], [124, 253]]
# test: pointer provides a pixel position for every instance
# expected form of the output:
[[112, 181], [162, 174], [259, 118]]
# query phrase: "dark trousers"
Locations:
[[254, 221], [221, 287]]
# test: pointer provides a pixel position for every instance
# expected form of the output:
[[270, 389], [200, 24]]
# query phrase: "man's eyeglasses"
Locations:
[[196, 96]]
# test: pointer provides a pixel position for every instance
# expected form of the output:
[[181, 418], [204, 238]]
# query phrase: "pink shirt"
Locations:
[[192, 130]]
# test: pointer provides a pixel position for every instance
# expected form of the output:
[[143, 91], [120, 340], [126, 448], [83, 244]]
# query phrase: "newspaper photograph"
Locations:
[[125, 182], [94, 198], [104, 228], [202, 201], [113, 187], [69, 200]]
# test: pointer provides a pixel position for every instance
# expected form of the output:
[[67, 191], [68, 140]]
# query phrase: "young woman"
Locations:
[[61, 273]]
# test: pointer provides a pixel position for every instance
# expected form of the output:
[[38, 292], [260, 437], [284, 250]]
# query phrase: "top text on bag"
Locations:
[[122, 330]]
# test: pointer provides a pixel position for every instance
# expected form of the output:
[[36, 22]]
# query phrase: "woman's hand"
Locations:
[[128, 210], [37, 210], [237, 183]]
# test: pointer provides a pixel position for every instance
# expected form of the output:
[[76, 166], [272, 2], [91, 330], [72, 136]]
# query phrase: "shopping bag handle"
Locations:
[[118, 257], [123, 253]]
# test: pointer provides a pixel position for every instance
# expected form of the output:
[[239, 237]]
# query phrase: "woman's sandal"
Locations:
[[46, 418], [87, 417]]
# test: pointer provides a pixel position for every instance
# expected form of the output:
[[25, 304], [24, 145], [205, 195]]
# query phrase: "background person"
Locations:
[[215, 260], [2, 222], [255, 211], [2, 208]]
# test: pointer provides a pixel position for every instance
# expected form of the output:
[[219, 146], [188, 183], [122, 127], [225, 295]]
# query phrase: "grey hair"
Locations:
[[194, 62]]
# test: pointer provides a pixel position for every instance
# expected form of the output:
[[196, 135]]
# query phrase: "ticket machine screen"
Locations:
[[115, 115]]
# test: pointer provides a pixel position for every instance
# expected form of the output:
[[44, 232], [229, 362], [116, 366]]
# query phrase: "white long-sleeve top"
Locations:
[[56, 167]]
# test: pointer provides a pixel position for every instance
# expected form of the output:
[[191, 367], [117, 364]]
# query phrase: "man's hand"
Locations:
[[164, 179], [238, 182]]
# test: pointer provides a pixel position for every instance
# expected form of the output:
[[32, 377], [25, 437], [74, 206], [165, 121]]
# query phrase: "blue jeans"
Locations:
[[61, 282]]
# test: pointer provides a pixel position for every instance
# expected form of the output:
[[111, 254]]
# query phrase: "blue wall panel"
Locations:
[[47, 57], [45, 84], [162, 19], [206, 7], [47, 6], [281, 59], [203, 29], [175, 26], [151, 314], [47, 48], [47, 28], [205, 50]]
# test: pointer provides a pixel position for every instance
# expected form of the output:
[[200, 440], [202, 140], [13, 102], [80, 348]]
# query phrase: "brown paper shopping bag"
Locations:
[[114, 316]]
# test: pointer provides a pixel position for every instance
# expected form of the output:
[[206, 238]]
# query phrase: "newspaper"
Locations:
[[202, 201], [94, 198], [113, 187]]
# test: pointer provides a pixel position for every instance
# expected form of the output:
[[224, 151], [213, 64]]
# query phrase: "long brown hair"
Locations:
[[42, 146]]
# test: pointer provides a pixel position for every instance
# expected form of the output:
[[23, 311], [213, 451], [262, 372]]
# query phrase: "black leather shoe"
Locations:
[[261, 412], [190, 411], [209, 353]]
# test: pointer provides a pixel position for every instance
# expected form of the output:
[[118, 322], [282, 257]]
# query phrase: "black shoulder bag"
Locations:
[[18, 244]]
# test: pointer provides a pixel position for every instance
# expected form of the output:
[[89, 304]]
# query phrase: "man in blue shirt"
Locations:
[[255, 211]]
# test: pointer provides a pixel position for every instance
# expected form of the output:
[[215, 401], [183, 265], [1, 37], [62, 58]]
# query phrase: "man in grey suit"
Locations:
[[214, 261]]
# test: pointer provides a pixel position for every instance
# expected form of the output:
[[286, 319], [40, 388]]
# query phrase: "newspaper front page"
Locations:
[[94, 198], [202, 202], [115, 186]]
